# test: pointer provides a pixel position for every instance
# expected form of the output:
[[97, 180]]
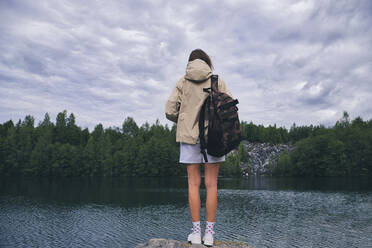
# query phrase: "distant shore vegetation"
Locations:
[[65, 149]]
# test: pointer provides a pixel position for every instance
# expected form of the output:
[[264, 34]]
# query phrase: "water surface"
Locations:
[[122, 212]]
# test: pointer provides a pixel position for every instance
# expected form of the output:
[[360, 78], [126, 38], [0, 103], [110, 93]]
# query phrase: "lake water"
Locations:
[[122, 212]]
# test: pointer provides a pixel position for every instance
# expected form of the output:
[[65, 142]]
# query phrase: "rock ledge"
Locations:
[[170, 243]]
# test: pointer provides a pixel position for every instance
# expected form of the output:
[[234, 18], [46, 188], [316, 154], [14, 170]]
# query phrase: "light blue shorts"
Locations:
[[190, 154]]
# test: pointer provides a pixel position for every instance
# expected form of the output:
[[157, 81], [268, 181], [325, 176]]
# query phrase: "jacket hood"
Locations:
[[198, 71]]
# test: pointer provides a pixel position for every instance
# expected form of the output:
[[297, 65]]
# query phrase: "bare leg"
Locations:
[[194, 181], [210, 181]]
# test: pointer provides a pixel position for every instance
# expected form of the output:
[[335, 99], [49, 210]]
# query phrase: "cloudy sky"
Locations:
[[286, 61]]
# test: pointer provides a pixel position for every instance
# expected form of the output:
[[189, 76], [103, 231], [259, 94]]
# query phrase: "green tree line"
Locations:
[[65, 149], [278, 135], [343, 150]]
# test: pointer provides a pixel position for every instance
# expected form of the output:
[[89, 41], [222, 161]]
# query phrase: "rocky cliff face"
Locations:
[[260, 155]]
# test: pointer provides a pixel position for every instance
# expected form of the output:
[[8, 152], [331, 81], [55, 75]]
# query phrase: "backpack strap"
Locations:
[[201, 129], [214, 87], [214, 83]]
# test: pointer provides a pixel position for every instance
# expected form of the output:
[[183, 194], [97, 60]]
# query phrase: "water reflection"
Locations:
[[299, 184], [133, 191]]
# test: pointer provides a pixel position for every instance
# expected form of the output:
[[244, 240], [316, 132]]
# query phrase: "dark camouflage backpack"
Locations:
[[224, 133]]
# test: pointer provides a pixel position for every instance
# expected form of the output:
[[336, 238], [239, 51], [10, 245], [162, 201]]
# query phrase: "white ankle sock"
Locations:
[[196, 227], [209, 227]]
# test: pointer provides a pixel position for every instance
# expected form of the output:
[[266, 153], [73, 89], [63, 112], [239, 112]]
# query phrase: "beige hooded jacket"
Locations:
[[187, 97]]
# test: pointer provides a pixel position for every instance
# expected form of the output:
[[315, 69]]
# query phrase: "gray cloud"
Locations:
[[286, 61]]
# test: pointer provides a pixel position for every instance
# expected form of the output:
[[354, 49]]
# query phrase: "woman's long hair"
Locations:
[[200, 54]]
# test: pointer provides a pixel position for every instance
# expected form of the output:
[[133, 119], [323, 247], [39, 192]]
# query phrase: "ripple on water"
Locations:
[[294, 218], [262, 218]]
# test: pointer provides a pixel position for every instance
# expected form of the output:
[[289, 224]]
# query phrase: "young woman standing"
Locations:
[[183, 107]]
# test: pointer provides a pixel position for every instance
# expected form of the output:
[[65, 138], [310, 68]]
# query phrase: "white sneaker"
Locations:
[[194, 238], [208, 239]]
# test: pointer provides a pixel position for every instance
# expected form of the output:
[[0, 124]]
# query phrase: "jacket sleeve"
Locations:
[[172, 107], [223, 88]]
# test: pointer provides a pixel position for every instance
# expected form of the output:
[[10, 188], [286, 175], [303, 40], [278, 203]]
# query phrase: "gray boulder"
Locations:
[[156, 242], [170, 243]]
